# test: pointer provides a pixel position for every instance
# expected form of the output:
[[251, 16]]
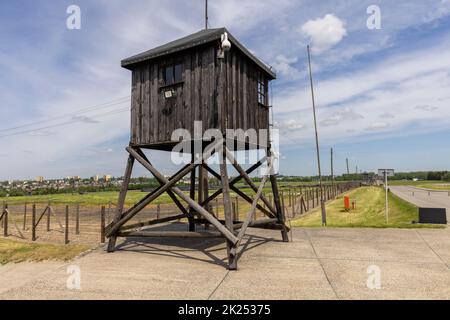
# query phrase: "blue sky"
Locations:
[[382, 95]]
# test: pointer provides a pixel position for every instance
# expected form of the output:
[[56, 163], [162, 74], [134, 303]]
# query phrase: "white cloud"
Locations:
[[376, 126], [386, 115], [392, 87], [283, 65], [294, 125], [427, 108], [339, 116], [325, 32]]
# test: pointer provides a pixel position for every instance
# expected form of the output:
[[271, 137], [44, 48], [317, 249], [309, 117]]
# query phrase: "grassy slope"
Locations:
[[13, 251], [370, 212]]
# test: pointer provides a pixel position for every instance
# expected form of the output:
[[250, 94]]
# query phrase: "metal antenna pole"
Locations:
[[322, 203], [387, 201], [332, 168], [206, 14]]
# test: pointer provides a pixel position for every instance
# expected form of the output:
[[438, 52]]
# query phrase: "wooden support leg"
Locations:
[[277, 202], [121, 202], [232, 258], [192, 195]]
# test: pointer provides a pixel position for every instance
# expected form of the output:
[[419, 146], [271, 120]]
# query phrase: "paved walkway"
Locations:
[[424, 198], [318, 264]]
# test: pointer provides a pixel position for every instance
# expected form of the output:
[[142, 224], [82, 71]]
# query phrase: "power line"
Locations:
[[77, 112], [73, 121]]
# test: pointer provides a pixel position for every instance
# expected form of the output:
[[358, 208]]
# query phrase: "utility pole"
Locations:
[[322, 202], [332, 168], [348, 170], [206, 14], [386, 191]]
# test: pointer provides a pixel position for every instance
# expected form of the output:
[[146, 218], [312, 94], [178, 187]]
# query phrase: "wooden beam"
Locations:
[[152, 222], [169, 192], [250, 200], [251, 212], [121, 202], [247, 179], [234, 181], [115, 226], [232, 257], [170, 234], [239, 192], [256, 223], [169, 184]]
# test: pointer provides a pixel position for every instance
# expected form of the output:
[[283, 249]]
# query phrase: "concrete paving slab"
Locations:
[[399, 280], [380, 248], [15, 275], [318, 264], [262, 278]]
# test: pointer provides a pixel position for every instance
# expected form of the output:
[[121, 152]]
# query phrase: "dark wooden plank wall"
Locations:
[[153, 118]]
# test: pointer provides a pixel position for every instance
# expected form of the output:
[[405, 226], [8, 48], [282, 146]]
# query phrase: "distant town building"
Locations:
[[40, 179], [107, 178], [95, 178]]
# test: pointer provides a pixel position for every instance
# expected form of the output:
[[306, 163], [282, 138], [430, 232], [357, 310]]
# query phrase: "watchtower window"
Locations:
[[173, 74], [262, 89]]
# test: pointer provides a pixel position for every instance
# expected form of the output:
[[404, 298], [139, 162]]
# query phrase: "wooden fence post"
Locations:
[[234, 211], [49, 212], [158, 211], [102, 225], [77, 219], [5, 220], [25, 217], [33, 223], [66, 233], [237, 209]]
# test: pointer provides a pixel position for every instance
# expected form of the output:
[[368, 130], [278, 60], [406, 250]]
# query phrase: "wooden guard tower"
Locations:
[[209, 77]]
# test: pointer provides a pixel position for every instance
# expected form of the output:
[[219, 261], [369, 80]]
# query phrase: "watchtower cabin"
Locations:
[[192, 79], [208, 77]]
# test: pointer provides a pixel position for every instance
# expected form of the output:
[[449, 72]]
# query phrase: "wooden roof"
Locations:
[[191, 41]]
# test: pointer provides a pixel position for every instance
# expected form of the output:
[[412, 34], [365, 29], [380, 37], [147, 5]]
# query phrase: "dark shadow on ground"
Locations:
[[214, 250]]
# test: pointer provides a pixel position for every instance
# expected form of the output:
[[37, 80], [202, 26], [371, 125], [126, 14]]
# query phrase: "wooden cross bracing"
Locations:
[[197, 212]]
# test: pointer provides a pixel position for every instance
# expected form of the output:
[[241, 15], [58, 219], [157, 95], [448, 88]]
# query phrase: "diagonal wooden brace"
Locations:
[[240, 193], [169, 192], [251, 212], [247, 179], [170, 184], [113, 228], [234, 181]]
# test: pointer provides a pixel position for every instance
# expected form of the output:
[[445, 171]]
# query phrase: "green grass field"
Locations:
[[429, 184], [14, 251], [103, 198], [370, 212]]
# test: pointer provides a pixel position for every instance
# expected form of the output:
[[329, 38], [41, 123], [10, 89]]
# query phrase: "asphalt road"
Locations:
[[319, 264], [424, 198]]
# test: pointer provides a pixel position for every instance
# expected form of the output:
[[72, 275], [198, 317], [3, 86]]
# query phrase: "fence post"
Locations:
[[49, 212], [33, 223], [158, 211], [237, 208], [234, 211], [77, 219], [5, 220], [25, 217], [66, 233], [102, 225]]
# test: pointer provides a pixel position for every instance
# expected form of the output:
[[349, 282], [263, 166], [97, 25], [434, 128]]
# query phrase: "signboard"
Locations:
[[432, 215], [389, 172]]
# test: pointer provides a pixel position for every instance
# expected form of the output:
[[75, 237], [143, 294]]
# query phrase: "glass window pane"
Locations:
[[168, 75], [178, 73]]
